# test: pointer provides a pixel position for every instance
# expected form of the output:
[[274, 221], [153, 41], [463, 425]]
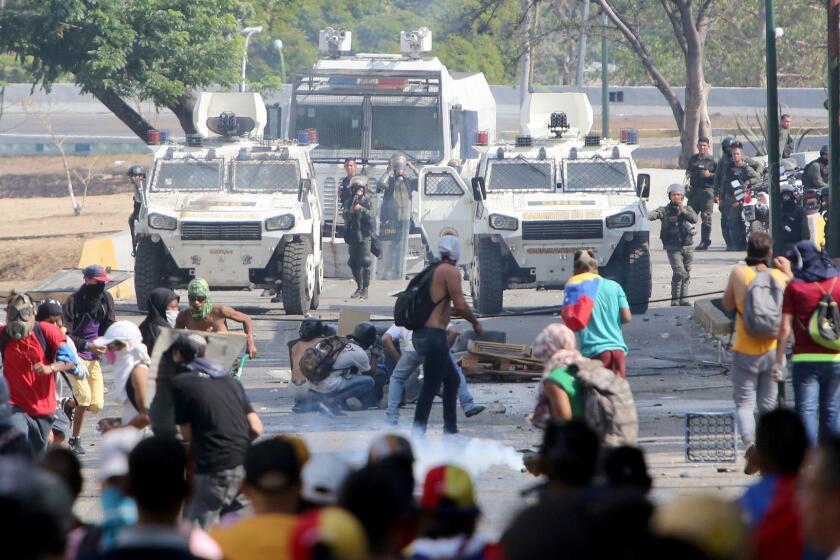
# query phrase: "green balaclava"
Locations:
[[199, 287]]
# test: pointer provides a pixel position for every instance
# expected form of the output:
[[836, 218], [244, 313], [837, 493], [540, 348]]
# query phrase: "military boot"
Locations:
[[675, 294], [684, 294], [357, 276], [705, 237], [365, 274]]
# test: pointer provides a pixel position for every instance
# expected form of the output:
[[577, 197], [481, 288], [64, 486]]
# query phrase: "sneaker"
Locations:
[[75, 445], [354, 404], [474, 410], [704, 245], [330, 409]]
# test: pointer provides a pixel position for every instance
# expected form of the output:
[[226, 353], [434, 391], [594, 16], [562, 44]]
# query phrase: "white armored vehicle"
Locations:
[[535, 202], [232, 209], [371, 106]]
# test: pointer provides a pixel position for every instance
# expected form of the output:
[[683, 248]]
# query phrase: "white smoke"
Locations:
[[473, 455]]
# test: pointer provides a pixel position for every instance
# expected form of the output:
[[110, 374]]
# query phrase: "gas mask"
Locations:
[[20, 317]]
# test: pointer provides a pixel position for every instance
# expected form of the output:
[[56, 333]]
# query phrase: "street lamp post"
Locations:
[[278, 44], [773, 126], [248, 31]]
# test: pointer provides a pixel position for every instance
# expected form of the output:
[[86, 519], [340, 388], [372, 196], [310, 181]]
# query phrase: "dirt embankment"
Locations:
[[39, 232]]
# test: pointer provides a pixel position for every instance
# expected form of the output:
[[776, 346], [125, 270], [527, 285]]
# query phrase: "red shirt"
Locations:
[[801, 299], [34, 393]]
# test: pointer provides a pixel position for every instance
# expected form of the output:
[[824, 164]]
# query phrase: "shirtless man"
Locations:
[[203, 316], [431, 341]]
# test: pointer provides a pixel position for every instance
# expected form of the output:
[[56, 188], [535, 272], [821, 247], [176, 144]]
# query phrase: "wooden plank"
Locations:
[[499, 349]]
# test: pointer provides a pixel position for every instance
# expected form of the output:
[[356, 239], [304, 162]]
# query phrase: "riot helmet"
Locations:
[[311, 328], [727, 142], [136, 171], [824, 151], [364, 334], [398, 164]]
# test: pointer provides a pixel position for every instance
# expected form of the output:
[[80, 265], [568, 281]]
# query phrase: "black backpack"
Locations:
[[415, 305]]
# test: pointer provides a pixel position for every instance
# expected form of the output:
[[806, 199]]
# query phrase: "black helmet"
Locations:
[[726, 142], [364, 334], [736, 144], [787, 189], [824, 149], [311, 328], [136, 171]]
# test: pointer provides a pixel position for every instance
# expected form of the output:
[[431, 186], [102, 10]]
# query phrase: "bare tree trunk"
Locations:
[[183, 109], [125, 112], [638, 47], [696, 88], [525, 61], [581, 57]]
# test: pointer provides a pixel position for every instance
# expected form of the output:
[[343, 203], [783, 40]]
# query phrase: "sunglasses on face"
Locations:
[[197, 299], [24, 313]]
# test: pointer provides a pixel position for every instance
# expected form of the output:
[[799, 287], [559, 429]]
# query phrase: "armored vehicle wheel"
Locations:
[[486, 281], [637, 281], [319, 285], [298, 277], [148, 270]]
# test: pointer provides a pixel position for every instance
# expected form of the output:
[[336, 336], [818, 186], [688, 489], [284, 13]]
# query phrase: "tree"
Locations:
[[158, 50], [690, 21]]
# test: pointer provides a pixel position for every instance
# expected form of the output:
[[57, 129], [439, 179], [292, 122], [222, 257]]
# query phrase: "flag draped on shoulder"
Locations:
[[579, 299]]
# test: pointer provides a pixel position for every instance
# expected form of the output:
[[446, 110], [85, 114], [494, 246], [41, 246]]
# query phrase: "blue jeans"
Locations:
[[816, 394], [438, 367], [357, 386], [409, 363]]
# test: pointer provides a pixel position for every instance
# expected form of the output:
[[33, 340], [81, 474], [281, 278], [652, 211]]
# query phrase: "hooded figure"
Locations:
[[132, 353], [199, 288], [810, 264], [555, 346], [158, 316]]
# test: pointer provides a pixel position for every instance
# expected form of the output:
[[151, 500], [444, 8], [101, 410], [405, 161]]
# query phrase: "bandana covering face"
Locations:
[[199, 287], [556, 346]]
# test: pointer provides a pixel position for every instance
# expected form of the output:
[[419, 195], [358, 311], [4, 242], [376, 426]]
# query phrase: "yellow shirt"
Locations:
[[262, 537], [744, 343]]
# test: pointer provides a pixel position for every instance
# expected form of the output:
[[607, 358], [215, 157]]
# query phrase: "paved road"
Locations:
[[673, 367]]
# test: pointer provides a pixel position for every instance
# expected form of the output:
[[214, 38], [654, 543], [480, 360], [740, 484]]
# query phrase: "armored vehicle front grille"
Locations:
[[567, 229], [221, 231]]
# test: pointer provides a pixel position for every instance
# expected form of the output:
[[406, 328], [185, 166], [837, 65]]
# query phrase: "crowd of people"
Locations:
[[204, 479]]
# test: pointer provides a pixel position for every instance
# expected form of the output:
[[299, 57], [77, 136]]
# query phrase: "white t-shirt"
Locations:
[[403, 335], [353, 356]]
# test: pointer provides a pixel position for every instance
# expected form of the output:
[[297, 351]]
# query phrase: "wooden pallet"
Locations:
[[500, 362]]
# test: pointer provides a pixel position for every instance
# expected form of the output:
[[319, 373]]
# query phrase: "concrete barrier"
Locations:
[[712, 318]]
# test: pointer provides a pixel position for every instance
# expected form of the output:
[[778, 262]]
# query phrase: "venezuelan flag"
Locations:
[[579, 299]]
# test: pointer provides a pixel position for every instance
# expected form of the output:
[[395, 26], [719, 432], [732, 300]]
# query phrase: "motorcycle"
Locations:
[[755, 208]]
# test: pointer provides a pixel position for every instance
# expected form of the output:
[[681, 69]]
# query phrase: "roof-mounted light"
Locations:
[[335, 42], [414, 43]]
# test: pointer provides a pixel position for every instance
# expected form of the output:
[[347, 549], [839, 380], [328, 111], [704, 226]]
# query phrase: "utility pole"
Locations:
[[581, 62], [605, 94], [773, 126], [834, 127]]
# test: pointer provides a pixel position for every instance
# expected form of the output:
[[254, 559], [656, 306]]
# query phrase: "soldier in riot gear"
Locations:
[[358, 232], [395, 214], [737, 170], [701, 172], [677, 235]]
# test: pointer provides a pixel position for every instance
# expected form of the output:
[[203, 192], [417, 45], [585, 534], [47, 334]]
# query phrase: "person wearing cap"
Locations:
[[358, 234], [448, 519], [202, 315], [131, 370], [272, 485], [739, 173], [216, 419], [432, 343], [136, 176], [87, 315], [330, 533], [322, 477], [677, 235], [29, 349], [815, 174], [351, 376], [701, 173]]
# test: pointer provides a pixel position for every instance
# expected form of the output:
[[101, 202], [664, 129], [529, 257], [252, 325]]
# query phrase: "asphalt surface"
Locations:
[[674, 367]]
